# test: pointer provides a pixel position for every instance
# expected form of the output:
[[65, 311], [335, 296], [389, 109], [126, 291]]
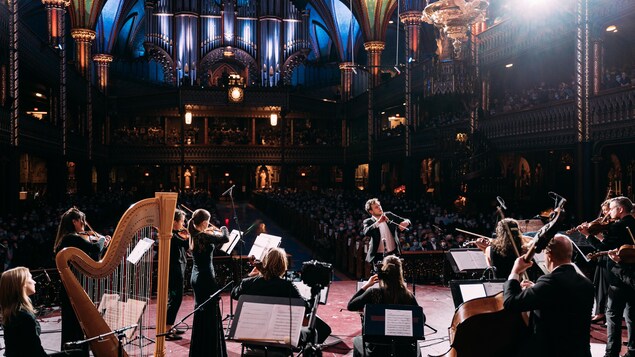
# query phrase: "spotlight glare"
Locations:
[[509, 65], [611, 28]]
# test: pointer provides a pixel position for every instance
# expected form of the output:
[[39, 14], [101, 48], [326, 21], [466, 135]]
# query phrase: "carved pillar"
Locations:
[[412, 22], [83, 41], [598, 65], [102, 61], [346, 81], [374, 49], [55, 11], [14, 78]]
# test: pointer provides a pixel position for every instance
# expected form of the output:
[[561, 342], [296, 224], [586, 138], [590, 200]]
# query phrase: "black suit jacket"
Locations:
[[372, 231], [560, 305]]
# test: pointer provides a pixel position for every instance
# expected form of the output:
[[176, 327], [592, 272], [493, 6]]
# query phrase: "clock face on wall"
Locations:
[[235, 94]]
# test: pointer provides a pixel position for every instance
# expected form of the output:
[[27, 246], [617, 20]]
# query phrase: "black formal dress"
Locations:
[[560, 320], [503, 264], [620, 295], [371, 229], [278, 287], [208, 338], [71, 330], [178, 262], [375, 296]]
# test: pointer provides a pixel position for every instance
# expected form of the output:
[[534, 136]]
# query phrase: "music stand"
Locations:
[[268, 322], [465, 290], [392, 325], [463, 260]]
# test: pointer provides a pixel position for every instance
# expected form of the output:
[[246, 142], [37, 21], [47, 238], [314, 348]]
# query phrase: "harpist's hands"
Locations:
[[107, 240]]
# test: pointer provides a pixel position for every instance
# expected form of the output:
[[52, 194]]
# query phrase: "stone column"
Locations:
[[102, 60], [55, 11], [83, 41], [346, 81], [374, 49]]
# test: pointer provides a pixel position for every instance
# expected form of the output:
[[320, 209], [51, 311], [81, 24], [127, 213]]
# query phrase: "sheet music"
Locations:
[[118, 314], [472, 291], [263, 242], [270, 323], [139, 250], [398, 322], [469, 260], [305, 291], [234, 236], [492, 289]]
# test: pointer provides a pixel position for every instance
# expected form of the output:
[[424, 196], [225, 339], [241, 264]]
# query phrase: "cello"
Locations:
[[477, 320]]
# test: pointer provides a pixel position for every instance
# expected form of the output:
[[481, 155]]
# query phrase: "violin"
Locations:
[[257, 266], [183, 233], [626, 253], [596, 226]]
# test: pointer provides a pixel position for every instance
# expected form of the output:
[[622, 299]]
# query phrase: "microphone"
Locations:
[[228, 190], [501, 202]]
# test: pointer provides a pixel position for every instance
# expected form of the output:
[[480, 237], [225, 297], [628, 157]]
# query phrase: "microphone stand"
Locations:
[[199, 307], [230, 317], [118, 332]]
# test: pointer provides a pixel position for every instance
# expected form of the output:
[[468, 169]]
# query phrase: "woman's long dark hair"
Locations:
[[198, 216], [66, 225], [503, 244], [391, 282]]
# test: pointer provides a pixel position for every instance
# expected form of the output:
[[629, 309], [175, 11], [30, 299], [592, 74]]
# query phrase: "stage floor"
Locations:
[[436, 302]]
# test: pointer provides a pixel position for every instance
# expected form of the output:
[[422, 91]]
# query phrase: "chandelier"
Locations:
[[454, 17]]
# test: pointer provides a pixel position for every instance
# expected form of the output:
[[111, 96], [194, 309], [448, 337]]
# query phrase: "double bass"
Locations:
[[479, 319]]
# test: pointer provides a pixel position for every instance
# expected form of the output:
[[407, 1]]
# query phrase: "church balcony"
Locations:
[[554, 125], [222, 154]]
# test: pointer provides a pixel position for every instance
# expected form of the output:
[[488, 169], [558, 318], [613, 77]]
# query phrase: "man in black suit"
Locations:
[[621, 294], [382, 228], [560, 304]]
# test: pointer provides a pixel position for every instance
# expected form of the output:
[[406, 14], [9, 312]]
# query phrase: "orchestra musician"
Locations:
[[500, 252], [207, 330], [179, 244], [72, 233], [601, 279], [267, 279], [559, 302], [21, 328], [620, 295], [382, 228], [392, 290]]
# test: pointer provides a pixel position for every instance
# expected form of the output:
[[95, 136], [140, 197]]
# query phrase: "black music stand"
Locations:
[[466, 260], [398, 327], [257, 317], [464, 290]]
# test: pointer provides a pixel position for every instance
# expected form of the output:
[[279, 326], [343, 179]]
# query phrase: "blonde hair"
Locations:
[[274, 264], [13, 296], [391, 281]]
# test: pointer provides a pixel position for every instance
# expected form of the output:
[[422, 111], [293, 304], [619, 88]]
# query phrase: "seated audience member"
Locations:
[[392, 290], [267, 280]]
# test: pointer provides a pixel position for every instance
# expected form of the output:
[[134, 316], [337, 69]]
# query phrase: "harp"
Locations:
[[117, 283]]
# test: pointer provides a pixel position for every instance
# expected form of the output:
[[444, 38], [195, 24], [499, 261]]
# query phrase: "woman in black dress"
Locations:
[[21, 329], [207, 330], [500, 253], [392, 290], [72, 233]]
